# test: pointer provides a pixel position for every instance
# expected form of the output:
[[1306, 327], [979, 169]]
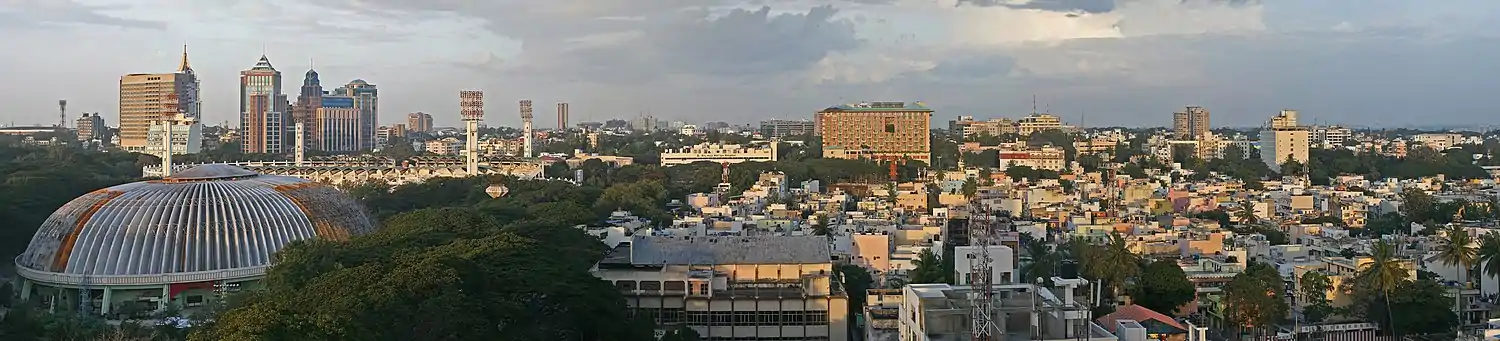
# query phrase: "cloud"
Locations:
[[41, 13]]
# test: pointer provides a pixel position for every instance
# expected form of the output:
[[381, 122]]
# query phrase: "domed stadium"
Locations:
[[181, 241]]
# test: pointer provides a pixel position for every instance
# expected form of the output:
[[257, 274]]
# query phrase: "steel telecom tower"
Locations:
[[982, 237], [471, 108], [62, 113], [526, 128]]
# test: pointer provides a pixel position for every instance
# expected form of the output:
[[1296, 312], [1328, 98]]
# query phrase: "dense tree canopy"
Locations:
[[437, 274], [1253, 298], [1163, 287]]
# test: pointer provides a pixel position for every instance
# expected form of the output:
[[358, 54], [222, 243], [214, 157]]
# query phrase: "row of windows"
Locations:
[[752, 338], [757, 318]]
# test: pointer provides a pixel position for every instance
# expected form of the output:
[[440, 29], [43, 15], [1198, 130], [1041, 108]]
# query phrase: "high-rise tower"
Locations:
[[62, 113], [309, 100], [526, 128], [471, 109], [367, 104], [146, 97], [263, 109], [562, 116], [1191, 123]]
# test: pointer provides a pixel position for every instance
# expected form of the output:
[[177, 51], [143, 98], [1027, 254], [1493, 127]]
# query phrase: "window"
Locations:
[[194, 300]]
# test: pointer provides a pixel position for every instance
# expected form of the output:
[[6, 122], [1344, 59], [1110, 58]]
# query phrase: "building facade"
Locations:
[[718, 153], [1038, 123], [784, 128], [91, 128], [1190, 123], [309, 100], [1042, 158], [263, 109], [1283, 140], [147, 97], [876, 130], [420, 122], [732, 288], [338, 124], [367, 103], [1331, 137], [186, 139], [562, 116]]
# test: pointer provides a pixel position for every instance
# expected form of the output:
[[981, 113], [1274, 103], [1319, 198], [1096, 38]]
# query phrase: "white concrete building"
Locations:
[[718, 153]]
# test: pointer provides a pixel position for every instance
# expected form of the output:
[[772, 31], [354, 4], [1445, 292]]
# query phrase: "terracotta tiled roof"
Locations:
[[1139, 314]]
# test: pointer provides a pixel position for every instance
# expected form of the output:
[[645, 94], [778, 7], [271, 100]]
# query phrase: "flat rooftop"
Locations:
[[644, 250], [879, 106]]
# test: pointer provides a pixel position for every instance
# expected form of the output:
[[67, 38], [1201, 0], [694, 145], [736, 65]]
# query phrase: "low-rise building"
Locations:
[[718, 153]]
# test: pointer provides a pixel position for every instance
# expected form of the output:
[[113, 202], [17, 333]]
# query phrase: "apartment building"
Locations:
[[784, 128], [1190, 123], [1283, 140], [1037, 123], [876, 130], [1040, 158], [732, 288]]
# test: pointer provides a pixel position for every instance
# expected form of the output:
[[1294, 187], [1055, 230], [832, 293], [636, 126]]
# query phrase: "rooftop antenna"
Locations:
[[1033, 104]]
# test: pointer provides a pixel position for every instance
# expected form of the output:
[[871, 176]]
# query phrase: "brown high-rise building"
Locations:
[[1191, 123], [146, 97], [419, 122], [876, 130], [562, 116], [264, 116]]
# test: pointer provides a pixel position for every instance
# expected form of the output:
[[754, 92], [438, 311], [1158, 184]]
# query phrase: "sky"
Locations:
[[1381, 63]]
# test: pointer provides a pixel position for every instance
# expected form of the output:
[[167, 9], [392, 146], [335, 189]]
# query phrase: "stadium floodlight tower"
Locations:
[[168, 122], [471, 107], [526, 128]]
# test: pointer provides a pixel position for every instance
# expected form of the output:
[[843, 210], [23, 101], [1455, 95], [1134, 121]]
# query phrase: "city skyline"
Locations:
[[1118, 62]]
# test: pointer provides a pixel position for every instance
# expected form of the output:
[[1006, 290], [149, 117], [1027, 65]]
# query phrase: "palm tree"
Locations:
[[971, 188], [1043, 259], [1384, 272], [1458, 250], [1489, 255], [1112, 263]]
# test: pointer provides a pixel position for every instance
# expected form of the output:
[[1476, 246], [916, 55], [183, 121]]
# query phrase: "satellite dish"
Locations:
[[497, 191]]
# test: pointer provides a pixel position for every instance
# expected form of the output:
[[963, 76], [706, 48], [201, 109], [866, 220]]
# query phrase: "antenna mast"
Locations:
[[982, 236]]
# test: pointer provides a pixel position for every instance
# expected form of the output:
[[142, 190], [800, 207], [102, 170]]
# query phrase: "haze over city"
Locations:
[[1124, 62]]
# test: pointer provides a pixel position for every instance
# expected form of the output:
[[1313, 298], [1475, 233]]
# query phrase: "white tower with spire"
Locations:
[[471, 108], [526, 128]]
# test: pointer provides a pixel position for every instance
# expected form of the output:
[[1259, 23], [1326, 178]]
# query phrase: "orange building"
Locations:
[[876, 130]]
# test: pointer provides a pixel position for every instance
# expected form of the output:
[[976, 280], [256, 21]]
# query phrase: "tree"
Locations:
[[1163, 287], [1252, 299], [928, 269], [1112, 263], [1421, 305], [1417, 206], [1384, 271], [1313, 288], [1489, 255], [1246, 214], [821, 228], [971, 188], [436, 274], [681, 334], [1043, 260], [1458, 250]]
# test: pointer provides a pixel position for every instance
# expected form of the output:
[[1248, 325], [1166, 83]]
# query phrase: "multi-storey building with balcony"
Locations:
[[732, 288]]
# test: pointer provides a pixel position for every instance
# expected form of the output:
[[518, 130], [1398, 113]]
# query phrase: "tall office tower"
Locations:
[[367, 102], [338, 123], [562, 116], [419, 122], [471, 109], [263, 109], [1282, 140], [876, 130], [526, 127], [91, 127], [305, 112], [1190, 123], [146, 97]]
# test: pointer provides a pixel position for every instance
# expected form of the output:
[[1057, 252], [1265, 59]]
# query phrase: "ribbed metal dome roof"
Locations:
[[204, 219]]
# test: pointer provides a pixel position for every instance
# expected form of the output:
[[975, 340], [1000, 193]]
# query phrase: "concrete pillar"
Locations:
[[25, 289], [166, 289], [104, 304]]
